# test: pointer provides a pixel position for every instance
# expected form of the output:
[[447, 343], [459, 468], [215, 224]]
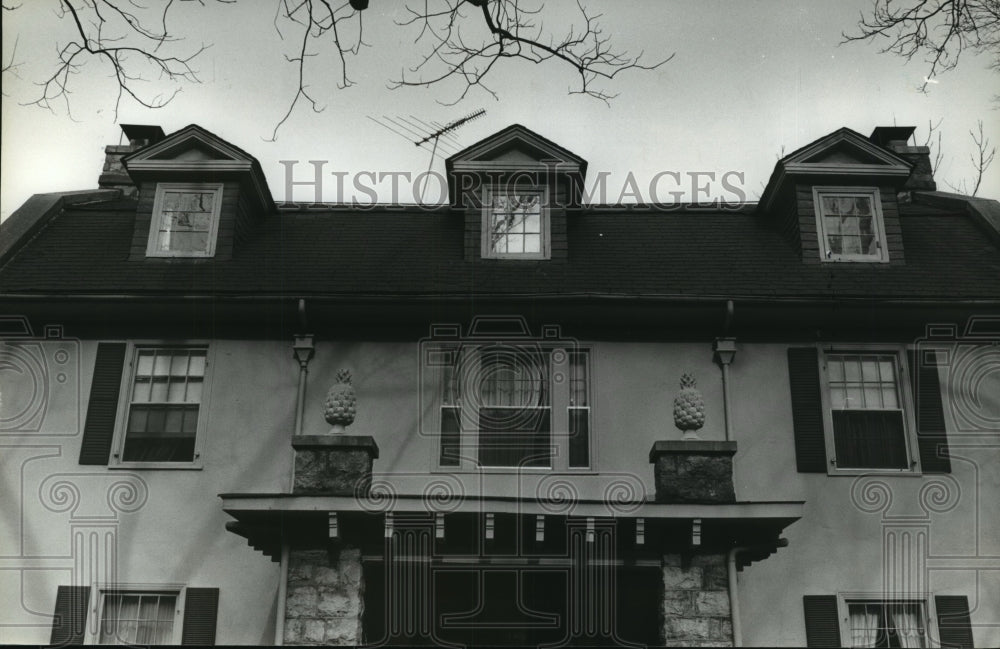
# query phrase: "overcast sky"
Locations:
[[748, 79]]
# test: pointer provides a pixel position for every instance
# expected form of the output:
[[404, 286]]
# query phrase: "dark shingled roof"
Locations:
[[392, 252]]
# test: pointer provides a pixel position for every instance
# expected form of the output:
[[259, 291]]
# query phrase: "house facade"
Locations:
[[518, 418]]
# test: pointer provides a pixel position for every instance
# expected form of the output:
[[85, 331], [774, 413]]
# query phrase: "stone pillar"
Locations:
[[696, 602], [691, 471], [325, 598], [335, 465]]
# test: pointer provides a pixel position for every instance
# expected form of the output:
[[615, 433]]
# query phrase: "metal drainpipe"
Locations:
[[279, 621], [734, 599], [304, 349], [724, 351]]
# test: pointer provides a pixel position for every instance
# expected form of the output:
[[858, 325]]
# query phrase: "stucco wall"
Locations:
[[176, 533]]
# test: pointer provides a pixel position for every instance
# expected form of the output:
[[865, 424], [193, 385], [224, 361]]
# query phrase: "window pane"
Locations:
[[187, 201], [852, 368], [869, 369], [140, 392], [197, 366], [193, 391], [838, 398], [145, 364], [515, 243], [533, 223], [183, 241], [579, 437], [835, 370], [179, 364], [175, 392], [159, 390], [186, 222], [862, 205], [869, 439], [161, 366], [532, 243]]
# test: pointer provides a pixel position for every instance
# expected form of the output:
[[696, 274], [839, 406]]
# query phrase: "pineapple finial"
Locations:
[[341, 403], [689, 408]]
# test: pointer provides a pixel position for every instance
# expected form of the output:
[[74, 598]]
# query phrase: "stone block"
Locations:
[[293, 631], [712, 603], [313, 630], [676, 578], [686, 628], [340, 601], [344, 632], [693, 472], [716, 577], [720, 630], [338, 465], [301, 601], [677, 603]]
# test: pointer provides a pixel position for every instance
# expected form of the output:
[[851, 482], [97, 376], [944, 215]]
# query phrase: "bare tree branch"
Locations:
[[513, 33], [937, 30], [462, 41]]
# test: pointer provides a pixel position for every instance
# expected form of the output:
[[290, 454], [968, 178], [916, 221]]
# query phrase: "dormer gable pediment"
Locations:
[[844, 156], [515, 145], [517, 151], [844, 152], [195, 154]]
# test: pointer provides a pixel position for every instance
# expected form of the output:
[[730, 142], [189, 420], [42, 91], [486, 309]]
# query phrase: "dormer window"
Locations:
[[515, 224], [185, 220], [849, 224]]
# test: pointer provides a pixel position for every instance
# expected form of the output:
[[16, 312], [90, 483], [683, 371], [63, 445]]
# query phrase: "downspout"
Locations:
[[724, 351], [304, 349], [279, 621], [734, 599]]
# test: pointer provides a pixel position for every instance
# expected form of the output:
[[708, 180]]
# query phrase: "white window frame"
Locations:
[[125, 401], [559, 405], [903, 393], [157, 217], [878, 223], [544, 249], [927, 610], [98, 595]]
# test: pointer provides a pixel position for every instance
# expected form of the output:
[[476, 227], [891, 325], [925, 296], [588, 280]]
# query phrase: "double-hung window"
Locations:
[[886, 623], [867, 421], [185, 220], [501, 408], [139, 617], [850, 225], [163, 405], [515, 224]]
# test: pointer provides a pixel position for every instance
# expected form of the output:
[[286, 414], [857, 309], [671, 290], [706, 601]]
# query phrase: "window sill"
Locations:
[[854, 260], [497, 470], [168, 466], [912, 473]]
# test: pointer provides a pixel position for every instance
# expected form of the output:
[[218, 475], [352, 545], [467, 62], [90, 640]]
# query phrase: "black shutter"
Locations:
[[201, 607], [928, 412], [99, 429], [807, 409], [69, 623], [822, 625], [954, 625]]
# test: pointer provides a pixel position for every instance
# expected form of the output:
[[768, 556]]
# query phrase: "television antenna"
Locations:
[[428, 135]]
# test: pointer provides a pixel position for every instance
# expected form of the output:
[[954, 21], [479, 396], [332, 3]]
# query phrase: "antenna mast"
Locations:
[[436, 135]]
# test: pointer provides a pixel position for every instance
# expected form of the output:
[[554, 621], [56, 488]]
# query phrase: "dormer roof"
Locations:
[[194, 153], [841, 154], [516, 149]]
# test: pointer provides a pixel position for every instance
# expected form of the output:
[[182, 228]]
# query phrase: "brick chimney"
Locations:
[[114, 175], [895, 139]]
